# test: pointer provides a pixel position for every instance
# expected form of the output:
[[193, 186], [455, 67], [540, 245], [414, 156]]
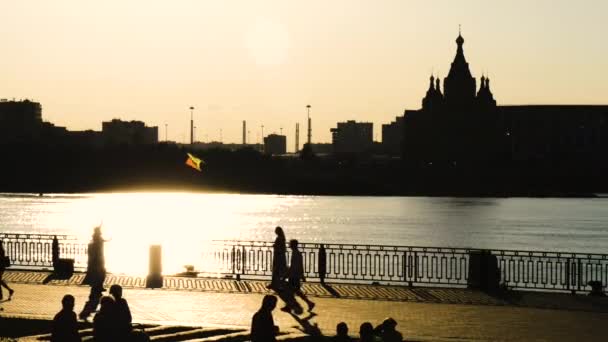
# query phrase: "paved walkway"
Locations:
[[424, 314]]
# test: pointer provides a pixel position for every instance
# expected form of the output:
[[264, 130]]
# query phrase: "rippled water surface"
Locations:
[[182, 222]]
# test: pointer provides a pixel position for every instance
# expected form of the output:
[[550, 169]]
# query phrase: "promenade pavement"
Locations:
[[423, 314]]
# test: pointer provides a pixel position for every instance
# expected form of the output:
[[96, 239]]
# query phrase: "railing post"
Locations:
[[155, 279], [233, 260], [415, 267], [568, 274], [579, 278], [243, 262], [404, 266]]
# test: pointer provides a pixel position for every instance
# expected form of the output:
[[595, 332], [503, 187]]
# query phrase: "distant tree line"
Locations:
[[39, 168]]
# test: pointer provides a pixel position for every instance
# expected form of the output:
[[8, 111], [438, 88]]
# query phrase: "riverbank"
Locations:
[[73, 169], [423, 314]]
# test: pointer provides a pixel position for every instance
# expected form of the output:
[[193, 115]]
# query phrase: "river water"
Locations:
[[183, 222]]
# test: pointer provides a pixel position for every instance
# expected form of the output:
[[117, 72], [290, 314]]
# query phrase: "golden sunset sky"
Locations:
[[263, 61]]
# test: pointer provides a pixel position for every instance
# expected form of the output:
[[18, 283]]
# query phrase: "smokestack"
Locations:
[[297, 137], [191, 125], [309, 125], [244, 132]]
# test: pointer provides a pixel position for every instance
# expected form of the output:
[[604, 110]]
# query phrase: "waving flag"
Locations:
[[194, 162]]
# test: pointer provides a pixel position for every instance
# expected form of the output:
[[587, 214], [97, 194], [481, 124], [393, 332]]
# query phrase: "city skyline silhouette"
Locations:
[[264, 63]]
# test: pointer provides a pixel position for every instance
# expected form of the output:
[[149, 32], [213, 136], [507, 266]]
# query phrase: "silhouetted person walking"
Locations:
[[104, 323], [341, 333], [4, 263], [65, 326], [262, 324], [96, 273], [296, 274], [122, 313], [387, 331], [279, 260]]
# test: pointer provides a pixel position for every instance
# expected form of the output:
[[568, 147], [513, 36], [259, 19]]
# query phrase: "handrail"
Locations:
[[406, 265]]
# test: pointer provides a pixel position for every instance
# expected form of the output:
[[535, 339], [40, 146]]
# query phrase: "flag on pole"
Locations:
[[194, 162]]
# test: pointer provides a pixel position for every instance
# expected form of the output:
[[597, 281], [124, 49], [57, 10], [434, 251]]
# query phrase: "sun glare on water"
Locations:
[[182, 223]]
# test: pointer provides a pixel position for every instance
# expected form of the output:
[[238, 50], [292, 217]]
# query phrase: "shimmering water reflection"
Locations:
[[184, 222]]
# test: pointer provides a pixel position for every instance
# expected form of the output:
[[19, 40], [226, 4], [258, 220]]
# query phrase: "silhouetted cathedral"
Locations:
[[463, 125]]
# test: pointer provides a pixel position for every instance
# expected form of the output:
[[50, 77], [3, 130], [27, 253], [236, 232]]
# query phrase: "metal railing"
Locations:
[[441, 266], [35, 250], [404, 265]]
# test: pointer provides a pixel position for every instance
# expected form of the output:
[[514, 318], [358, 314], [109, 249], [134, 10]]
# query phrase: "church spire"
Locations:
[[459, 85]]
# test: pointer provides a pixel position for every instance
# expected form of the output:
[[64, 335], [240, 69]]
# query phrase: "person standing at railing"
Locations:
[[4, 263], [279, 260], [296, 274], [322, 264], [96, 269], [96, 273], [55, 252]]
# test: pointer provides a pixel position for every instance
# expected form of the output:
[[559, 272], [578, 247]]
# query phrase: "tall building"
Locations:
[[275, 144], [463, 124], [352, 137], [392, 137], [20, 121], [118, 132]]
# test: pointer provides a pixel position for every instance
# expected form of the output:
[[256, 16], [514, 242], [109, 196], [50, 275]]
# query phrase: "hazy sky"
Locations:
[[263, 61]]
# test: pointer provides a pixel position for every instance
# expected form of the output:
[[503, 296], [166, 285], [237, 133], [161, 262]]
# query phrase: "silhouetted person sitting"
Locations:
[[104, 323], [296, 275], [65, 326], [387, 331], [341, 333], [122, 313], [366, 333], [262, 324]]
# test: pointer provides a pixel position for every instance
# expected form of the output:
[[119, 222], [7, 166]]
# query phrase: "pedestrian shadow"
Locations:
[[291, 304], [331, 290], [54, 276], [306, 327]]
